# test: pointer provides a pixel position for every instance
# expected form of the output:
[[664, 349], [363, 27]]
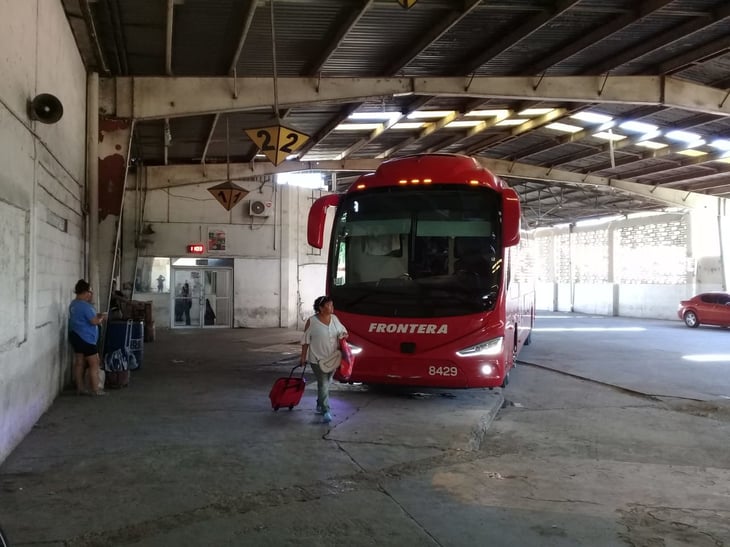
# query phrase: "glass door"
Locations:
[[201, 297], [186, 289], [216, 300]]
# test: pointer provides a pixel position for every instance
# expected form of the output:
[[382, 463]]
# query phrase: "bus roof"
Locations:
[[423, 169]]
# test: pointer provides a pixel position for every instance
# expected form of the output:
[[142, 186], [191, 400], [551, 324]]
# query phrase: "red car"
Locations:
[[710, 308]]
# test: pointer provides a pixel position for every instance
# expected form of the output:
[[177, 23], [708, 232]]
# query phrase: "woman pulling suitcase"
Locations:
[[321, 349]]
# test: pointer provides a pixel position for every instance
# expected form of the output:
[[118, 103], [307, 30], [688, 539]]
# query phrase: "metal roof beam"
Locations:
[[248, 18], [159, 97], [692, 183], [184, 175], [529, 125], [337, 34], [334, 121], [661, 40], [611, 26], [700, 54], [568, 138], [491, 49], [245, 28], [442, 26], [683, 161]]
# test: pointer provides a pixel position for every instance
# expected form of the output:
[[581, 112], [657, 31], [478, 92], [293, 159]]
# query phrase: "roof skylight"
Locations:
[[638, 127], [693, 153], [684, 136], [496, 113], [407, 125], [535, 111], [609, 136], [591, 117], [464, 123], [564, 127], [652, 144], [358, 126], [385, 116], [513, 121], [429, 114]]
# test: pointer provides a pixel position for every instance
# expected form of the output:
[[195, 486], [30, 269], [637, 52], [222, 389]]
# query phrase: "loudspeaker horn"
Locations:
[[45, 108]]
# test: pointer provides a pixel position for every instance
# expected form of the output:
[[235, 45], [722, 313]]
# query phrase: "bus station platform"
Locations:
[[195, 432], [598, 440]]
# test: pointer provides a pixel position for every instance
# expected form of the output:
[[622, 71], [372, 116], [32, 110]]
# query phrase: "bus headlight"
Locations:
[[487, 370], [490, 347]]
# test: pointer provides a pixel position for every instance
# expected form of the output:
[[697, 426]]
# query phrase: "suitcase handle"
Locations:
[[304, 367]]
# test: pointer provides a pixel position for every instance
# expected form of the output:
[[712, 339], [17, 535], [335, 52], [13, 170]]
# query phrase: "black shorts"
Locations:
[[81, 346]]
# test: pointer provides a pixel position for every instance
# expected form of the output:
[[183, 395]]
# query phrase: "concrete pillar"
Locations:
[[114, 140]]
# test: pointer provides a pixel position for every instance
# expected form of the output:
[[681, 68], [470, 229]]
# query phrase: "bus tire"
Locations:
[[505, 382]]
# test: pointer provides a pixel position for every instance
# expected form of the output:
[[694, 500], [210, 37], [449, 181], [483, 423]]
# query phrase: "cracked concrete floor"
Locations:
[[191, 454]]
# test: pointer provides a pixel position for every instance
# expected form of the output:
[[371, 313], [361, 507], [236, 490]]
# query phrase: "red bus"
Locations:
[[421, 268]]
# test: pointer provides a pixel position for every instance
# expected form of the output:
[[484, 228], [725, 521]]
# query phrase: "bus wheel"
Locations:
[[505, 381]]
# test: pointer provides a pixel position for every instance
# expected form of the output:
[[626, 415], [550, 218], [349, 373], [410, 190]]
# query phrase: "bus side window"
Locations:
[[508, 256]]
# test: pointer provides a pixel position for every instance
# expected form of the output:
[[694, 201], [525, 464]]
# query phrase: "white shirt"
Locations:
[[323, 339]]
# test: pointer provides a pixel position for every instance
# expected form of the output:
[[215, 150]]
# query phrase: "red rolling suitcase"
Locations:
[[288, 391]]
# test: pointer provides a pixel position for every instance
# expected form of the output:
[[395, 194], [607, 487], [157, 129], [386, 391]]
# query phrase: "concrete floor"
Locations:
[[192, 454]]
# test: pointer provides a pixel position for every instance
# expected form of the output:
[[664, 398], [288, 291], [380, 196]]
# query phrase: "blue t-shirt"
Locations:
[[80, 314]]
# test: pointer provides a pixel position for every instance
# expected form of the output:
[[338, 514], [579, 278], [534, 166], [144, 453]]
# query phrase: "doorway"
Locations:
[[201, 297]]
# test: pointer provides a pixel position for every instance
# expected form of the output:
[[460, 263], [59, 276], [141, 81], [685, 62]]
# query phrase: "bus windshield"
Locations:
[[431, 251]]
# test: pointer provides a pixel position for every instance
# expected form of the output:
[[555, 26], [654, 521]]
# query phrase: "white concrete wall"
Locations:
[[41, 220], [545, 296], [699, 264], [596, 298], [276, 273], [652, 301]]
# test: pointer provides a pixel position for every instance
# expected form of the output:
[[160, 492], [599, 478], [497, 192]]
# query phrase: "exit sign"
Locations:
[[196, 248]]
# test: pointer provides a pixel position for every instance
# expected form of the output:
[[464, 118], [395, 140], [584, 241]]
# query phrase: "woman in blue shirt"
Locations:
[[83, 326]]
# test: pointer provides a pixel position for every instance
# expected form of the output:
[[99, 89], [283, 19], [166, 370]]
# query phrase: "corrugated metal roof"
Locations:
[[689, 39]]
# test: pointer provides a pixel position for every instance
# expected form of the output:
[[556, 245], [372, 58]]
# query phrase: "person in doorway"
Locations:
[[83, 326], [320, 348], [209, 313], [160, 283], [187, 301]]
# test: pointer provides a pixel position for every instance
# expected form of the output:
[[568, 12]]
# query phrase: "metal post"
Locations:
[[92, 174]]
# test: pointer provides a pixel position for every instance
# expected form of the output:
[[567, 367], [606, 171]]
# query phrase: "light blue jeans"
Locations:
[[323, 386]]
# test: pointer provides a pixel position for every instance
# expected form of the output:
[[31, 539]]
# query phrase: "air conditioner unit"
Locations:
[[257, 208]]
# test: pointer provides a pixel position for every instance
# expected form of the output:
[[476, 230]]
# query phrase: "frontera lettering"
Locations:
[[408, 328]]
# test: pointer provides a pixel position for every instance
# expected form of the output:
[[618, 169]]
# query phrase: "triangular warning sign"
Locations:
[[228, 194], [277, 142], [407, 4]]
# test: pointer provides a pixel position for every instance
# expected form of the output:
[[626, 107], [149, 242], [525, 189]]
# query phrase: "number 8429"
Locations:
[[442, 371]]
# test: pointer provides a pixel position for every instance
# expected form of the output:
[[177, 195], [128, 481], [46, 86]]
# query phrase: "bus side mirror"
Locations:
[[317, 217], [511, 212]]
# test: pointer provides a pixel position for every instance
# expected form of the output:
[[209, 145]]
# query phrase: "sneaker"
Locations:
[[327, 417], [98, 393], [319, 410]]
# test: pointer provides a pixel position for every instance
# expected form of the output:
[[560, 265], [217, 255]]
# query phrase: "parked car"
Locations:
[[710, 308]]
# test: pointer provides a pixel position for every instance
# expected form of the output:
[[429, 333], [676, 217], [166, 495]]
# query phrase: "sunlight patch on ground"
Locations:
[[589, 329], [708, 358]]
